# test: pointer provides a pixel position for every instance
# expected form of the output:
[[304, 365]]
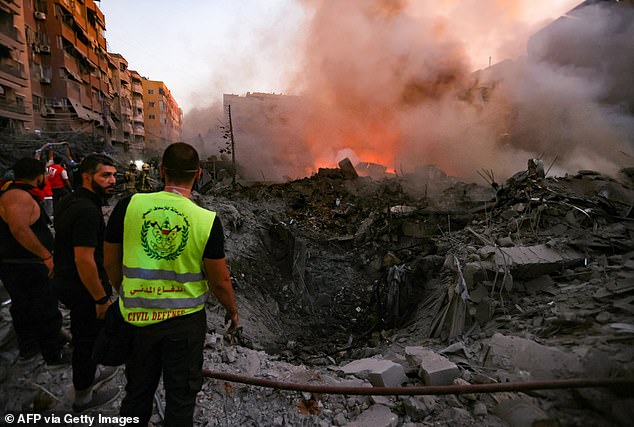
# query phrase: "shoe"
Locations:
[[103, 374], [63, 359], [100, 397]]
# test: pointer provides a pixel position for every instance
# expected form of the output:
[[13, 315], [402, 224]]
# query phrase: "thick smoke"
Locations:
[[393, 82]]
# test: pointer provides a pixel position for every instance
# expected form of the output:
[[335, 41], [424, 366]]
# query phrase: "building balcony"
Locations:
[[95, 82], [65, 4], [9, 37], [67, 33], [13, 6], [80, 21], [139, 130], [13, 71], [81, 48], [93, 57], [137, 88], [102, 41], [12, 107]]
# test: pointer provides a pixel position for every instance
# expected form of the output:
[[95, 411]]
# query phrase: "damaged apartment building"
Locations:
[[57, 78]]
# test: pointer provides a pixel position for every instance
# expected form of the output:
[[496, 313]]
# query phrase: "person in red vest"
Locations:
[[58, 179]]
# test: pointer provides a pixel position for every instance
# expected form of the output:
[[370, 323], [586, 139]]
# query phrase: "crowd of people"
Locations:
[[160, 253]]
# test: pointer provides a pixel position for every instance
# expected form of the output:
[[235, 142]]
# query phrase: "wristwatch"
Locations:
[[102, 300]]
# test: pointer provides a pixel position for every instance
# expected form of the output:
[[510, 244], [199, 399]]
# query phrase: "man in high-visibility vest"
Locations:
[[163, 253]]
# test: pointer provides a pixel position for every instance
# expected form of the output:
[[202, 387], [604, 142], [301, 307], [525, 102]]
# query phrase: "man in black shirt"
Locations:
[[82, 283], [26, 263]]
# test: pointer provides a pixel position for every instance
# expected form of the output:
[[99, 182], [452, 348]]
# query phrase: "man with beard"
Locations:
[[26, 265], [81, 281]]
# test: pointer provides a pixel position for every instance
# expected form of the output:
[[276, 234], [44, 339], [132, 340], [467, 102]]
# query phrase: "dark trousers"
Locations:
[[58, 194], [34, 311], [84, 326], [174, 348]]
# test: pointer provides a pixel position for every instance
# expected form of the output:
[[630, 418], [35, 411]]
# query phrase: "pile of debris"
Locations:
[[414, 280]]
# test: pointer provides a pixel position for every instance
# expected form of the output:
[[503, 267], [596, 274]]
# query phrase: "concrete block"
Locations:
[[434, 368], [375, 416], [380, 372], [387, 374]]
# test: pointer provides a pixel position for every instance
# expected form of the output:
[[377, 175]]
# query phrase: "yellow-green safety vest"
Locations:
[[164, 239]]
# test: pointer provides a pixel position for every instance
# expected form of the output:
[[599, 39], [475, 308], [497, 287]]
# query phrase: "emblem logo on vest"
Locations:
[[164, 233]]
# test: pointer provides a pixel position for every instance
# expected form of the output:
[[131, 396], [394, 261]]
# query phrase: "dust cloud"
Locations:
[[394, 82]]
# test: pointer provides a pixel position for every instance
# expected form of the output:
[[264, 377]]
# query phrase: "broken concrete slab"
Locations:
[[540, 361], [434, 369], [526, 262], [375, 416]]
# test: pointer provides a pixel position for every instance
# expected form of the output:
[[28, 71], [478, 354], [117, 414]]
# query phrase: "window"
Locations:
[[150, 91], [37, 102], [151, 117], [151, 104]]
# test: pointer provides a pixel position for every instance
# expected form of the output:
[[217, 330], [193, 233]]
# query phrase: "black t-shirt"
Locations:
[[78, 223], [215, 248]]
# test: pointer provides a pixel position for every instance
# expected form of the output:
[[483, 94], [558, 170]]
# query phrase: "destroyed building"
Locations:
[[347, 281]]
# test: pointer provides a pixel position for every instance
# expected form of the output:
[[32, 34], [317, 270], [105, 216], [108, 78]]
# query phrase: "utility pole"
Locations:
[[233, 149]]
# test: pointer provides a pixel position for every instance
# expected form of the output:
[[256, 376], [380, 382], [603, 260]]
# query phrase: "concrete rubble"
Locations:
[[412, 280]]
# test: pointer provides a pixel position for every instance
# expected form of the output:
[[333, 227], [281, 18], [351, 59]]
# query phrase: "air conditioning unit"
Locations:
[[45, 80], [40, 15], [45, 48]]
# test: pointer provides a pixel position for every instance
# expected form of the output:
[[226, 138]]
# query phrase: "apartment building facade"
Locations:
[[15, 99], [163, 118], [57, 78], [138, 115], [68, 65]]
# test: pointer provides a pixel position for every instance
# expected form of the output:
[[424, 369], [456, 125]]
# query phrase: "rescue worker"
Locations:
[[145, 181], [129, 180], [58, 179], [81, 280], [163, 253], [26, 265]]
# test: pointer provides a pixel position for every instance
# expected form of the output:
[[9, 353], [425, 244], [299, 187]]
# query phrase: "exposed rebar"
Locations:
[[621, 383]]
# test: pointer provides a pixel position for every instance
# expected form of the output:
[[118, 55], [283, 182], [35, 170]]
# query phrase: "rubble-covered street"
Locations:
[[413, 280]]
